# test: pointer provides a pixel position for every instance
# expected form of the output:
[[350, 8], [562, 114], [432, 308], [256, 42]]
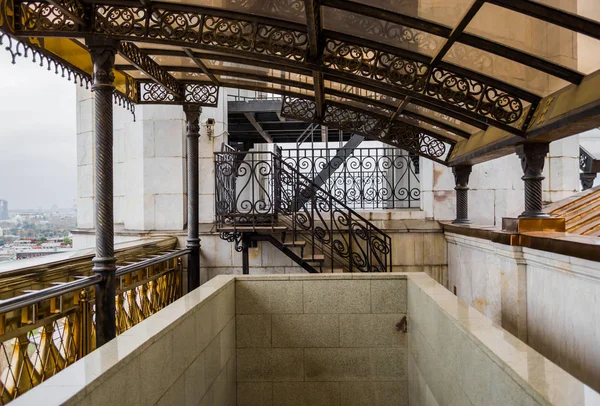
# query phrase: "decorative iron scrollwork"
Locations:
[[301, 109], [138, 58], [152, 92], [374, 64], [397, 133], [233, 237], [38, 16], [203, 94]]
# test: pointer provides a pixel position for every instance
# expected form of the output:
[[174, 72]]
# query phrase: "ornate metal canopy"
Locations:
[[436, 80]]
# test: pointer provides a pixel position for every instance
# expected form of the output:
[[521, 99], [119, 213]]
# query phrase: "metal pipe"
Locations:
[[192, 117], [103, 51]]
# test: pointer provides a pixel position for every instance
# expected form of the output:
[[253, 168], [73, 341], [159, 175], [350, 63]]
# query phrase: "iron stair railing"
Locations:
[[259, 193]]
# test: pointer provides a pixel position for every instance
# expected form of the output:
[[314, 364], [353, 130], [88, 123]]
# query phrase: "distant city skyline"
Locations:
[[38, 143]]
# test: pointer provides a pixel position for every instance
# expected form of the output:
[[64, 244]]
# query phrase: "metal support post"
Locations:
[[532, 160], [103, 51], [245, 255], [192, 118], [461, 179]]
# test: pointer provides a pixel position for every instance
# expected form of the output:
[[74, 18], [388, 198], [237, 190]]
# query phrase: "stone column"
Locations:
[[103, 51], [461, 179], [532, 157], [192, 118]]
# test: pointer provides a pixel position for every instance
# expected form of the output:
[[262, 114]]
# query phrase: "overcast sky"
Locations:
[[38, 145]]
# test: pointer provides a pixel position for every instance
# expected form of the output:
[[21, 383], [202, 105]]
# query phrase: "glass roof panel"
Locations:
[[291, 10], [357, 91], [196, 76], [531, 35], [503, 69], [429, 127], [441, 117], [447, 12], [381, 31], [368, 107], [230, 81], [584, 8]]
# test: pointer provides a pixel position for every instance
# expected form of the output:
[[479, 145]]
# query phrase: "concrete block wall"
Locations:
[[329, 340], [549, 301], [184, 355], [420, 248]]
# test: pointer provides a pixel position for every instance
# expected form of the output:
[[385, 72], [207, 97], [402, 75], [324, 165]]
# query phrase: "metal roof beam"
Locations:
[[382, 14], [319, 87], [201, 65], [457, 31], [400, 108], [552, 15], [72, 9], [258, 128], [313, 25], [144, 63]]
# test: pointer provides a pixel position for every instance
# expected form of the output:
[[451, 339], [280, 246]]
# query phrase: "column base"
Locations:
[[461, 221], [524, 225]]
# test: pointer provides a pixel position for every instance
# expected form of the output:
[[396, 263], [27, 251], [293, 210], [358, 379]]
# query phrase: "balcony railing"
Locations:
[[44, 331], [362, 178]]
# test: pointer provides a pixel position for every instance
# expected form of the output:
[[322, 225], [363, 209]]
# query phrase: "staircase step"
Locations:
[[299, 243], [253, 228], [314, 258]]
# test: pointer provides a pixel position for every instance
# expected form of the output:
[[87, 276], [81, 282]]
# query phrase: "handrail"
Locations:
[[28, 299], [267, 182], [32, 298]]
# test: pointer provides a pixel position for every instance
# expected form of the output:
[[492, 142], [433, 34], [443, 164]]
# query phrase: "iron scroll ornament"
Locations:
[[252, 36], [373, 126]]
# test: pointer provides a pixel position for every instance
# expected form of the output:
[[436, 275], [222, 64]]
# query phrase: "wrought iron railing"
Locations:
[[261, 190], [362, 178], [43, 332]]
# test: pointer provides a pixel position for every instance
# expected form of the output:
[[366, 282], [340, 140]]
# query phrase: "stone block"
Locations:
[[168, 212], [85, 181], [266, 297], [253, 331], [163, 176], [371, 330], [305, 330], [85, 149], [207, 208], [212, 361], [337, 296], [195, 381], [228, 345], [175, 395], [270, 364], [338, 364], [306, 393], [374, 393], [255, 393], [390, 364], [405, 247], [435, 249], [156, 369], [169, 138], [388, 296], [215, 252], [185, 346], [124, 387], [206, 176]]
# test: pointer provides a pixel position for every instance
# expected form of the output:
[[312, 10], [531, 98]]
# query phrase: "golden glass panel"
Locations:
[[381, 31], [291, 10], [504, 69]]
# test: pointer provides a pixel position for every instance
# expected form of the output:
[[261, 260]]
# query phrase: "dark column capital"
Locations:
[[533, 156], [461, 179], [461, 176], [587, 180], [103, 51], [192, 119]]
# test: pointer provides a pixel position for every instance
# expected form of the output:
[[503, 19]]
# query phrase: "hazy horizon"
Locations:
[[38, 143]]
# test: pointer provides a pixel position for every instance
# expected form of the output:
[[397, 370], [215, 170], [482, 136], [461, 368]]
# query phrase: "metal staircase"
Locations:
[[259, 197]]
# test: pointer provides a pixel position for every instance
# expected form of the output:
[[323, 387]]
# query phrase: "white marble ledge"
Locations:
[[324, 276], [543, 380], [73, 383]]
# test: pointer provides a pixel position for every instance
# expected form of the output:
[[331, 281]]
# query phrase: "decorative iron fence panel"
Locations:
[[44, 332], [368, 178], [265, 191]]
